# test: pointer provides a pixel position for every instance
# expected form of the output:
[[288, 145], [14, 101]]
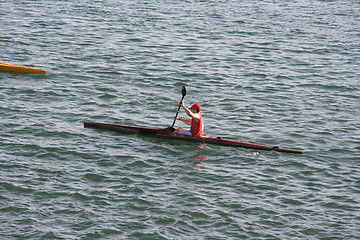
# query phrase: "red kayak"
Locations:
[[168, 133]]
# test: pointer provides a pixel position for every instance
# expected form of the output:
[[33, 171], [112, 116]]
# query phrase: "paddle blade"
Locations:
[[183, 91]]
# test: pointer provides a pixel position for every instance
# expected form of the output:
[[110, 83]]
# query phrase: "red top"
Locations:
[[197, 128]]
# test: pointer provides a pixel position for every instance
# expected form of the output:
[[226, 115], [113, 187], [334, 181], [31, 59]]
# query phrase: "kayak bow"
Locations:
[[15, 68], [167, 133]]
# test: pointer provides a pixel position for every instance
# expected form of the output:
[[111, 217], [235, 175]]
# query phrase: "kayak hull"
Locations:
[[168, 133], [21, 69]]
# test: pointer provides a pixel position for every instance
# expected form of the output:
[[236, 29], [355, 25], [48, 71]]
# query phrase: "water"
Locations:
[[270, 72]]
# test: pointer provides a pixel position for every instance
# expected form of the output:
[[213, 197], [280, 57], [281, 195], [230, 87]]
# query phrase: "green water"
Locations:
[[280, 73]]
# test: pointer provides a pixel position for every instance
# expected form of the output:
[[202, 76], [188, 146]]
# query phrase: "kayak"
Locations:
[[168, 133], [21, 69]]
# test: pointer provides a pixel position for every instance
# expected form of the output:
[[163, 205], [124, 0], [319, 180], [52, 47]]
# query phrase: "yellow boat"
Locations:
[[21, 69]]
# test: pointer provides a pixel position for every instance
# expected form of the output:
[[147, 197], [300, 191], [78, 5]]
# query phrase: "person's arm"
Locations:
[[186, 121], [189, 113]]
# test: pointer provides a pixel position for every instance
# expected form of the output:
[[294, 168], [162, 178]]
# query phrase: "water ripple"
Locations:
[[270, 72]]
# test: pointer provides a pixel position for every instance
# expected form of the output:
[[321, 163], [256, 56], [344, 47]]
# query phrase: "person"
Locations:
[[196, 121]]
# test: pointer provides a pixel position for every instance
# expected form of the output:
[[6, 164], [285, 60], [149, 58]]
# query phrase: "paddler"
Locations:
[[196, 121]]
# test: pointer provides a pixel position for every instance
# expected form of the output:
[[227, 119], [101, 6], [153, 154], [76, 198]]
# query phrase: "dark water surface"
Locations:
[[270, 72]]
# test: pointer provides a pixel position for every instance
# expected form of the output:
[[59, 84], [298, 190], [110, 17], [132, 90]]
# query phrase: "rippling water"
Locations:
[[270, 72]]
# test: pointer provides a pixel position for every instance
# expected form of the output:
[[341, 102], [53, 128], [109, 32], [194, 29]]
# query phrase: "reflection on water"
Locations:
[[199, 159]]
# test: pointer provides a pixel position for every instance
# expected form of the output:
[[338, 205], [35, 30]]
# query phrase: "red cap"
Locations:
[[196, 106]]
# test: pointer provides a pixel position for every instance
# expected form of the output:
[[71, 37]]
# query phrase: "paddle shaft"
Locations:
[[177, 113]]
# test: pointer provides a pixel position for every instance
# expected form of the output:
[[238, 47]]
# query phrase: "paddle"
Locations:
[[183, 95]]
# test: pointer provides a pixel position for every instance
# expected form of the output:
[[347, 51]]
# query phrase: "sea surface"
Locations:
[[272, 72]]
